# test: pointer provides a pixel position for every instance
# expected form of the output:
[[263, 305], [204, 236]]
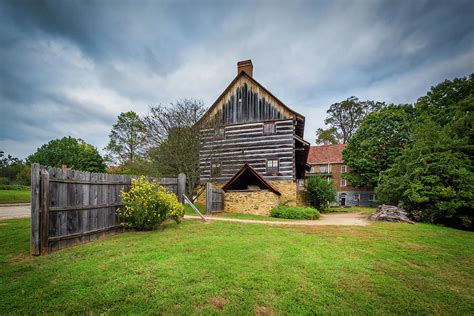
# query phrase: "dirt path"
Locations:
[[8, 211], [350, 219]]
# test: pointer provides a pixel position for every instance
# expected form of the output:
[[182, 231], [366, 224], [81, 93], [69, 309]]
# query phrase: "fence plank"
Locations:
[[44, 211], [35, 243]]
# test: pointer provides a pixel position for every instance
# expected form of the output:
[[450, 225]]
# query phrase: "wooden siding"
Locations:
[[247, 102], [246, 143]]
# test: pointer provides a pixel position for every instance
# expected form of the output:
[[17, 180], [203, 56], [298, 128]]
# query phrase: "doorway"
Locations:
[[342, 199]]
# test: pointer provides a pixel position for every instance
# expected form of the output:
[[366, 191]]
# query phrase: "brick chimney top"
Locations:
[[245, 66]]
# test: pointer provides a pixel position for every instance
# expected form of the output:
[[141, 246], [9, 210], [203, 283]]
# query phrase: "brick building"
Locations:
[[326, 161]]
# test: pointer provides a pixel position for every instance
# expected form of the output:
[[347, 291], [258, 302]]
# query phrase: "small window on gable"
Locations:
[[220, 133], [273, 166], [269, 128], [216, 169], [343, 183], [343, 168]]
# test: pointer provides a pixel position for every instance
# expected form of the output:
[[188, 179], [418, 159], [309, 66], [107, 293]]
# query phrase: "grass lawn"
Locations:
[[237, 268], [202, 208], [14, 196]]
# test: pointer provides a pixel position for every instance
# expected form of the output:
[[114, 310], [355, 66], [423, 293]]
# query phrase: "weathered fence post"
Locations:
[[181, 187], [44, 211], [35, 210], [208, 198]]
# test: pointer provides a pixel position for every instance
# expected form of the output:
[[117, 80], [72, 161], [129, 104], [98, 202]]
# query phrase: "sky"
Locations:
[[69, 68]]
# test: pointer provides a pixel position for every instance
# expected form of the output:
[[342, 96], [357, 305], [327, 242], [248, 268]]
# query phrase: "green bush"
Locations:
[[4, 180], [319, 192], [14, 187], [295, 212], [148, 204]]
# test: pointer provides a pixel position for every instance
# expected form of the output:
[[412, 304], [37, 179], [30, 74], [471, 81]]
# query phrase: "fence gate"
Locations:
[[214, 199], [69, 207]]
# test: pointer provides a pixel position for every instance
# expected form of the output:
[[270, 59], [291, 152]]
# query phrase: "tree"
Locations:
[[73, 152], [13, 169], [174, 139], [326, 136], [344, 118], [127, 138], [433, 177], [379, 140], [319, 192]]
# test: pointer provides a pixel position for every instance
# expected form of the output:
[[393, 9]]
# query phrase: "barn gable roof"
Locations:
[[243, 78]]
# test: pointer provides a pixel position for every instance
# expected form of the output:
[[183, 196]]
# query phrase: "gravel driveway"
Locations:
[[8, 211]]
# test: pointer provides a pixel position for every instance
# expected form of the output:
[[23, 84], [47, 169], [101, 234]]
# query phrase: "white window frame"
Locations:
[[343, 183], [272, 167], [322, 169], [373, 197], [357, 196], [343, 168]]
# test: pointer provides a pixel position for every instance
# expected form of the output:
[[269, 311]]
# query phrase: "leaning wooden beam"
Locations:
[[193, 207]]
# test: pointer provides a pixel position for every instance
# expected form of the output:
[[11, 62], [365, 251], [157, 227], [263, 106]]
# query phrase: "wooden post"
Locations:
[[208, 198], [35, 210], [181, 187], [44, 211]]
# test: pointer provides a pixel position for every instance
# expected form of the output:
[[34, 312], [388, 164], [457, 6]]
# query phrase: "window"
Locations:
[[372, 197], [220, 133], [343, 183], [329, 168], [272, 166], [216, 169], [357, 197], [343, 168], [269, 128], [313, 169], [322, 169]]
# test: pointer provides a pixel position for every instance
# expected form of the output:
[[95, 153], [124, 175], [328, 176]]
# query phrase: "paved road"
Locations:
[[350, 219], [14, 211]]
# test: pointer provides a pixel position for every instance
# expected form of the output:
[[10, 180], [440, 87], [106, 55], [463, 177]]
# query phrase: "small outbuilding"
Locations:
[[248, 192]]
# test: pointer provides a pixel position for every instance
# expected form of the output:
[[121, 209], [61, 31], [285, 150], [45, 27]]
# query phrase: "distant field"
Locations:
[[14, 196]]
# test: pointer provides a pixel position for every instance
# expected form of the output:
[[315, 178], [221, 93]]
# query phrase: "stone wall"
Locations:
[[289, 192], [250, 202]]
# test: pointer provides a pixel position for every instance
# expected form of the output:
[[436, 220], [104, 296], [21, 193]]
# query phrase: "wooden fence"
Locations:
[[214, 199], [69, 207]]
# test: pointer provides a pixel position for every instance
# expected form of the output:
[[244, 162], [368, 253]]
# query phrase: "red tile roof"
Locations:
[[326, 154]]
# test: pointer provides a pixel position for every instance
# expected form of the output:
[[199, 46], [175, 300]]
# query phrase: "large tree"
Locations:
[[73, 152], [126, 139], [434, 177], [344, 118], [174, 139], [377, 143]]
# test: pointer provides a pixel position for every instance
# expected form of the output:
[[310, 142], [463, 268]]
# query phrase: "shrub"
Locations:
[[319, 192], [294, 212], [148, 204], [14, 187], [4, 180]]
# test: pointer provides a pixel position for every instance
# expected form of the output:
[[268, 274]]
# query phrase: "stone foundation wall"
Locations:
[[289, 192], [253, 202]]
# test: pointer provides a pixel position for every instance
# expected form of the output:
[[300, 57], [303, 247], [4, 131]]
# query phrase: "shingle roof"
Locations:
[[326, 154]]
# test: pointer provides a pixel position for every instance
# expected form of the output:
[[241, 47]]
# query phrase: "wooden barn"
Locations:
[[252, 138]]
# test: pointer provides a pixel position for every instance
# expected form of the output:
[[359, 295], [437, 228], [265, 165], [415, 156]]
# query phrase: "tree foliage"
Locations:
[[13, 170], [73, 152], [126, 139], [434, 176], [344, 118], [319, 192], [378, 142], [175, 139]]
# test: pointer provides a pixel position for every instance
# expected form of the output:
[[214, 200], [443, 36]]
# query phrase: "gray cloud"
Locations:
[[70, 67]]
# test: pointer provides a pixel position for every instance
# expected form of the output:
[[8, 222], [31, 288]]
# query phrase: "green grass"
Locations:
[[14, 196], [234, 268]]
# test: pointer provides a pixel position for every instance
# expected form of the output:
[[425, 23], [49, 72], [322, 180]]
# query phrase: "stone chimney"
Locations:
[[245, 66]]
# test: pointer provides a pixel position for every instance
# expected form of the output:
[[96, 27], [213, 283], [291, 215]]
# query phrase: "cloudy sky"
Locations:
[[70, 67]]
